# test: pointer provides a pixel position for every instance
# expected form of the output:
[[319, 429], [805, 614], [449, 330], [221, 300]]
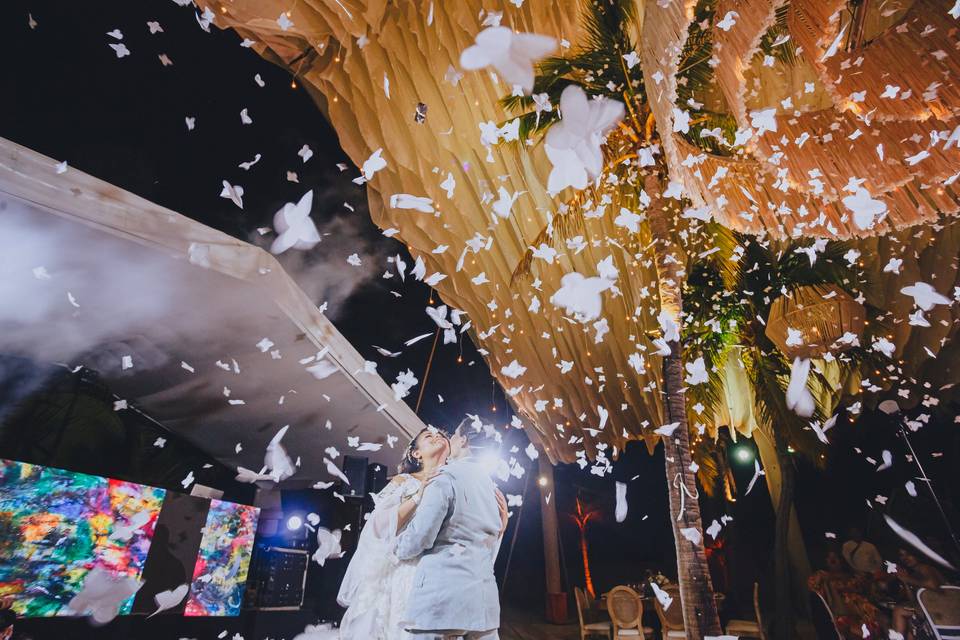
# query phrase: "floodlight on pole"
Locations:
[[743, 454]]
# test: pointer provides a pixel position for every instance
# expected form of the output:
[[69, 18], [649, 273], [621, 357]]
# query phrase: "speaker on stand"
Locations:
[[376, 478], [355, 469]]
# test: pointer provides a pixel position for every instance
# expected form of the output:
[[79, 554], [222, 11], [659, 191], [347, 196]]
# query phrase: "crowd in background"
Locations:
[[869, 596]]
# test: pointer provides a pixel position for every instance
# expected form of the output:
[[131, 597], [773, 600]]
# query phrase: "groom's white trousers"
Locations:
[[454, 635]]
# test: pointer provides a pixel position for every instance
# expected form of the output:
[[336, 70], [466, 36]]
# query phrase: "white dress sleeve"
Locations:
[[371, 561]]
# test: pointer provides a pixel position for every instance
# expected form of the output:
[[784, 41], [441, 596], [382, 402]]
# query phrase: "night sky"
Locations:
[[68, 96], [122, 120]]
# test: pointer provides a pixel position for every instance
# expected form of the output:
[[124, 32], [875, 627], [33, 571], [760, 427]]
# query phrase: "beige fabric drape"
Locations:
[[415, 47]]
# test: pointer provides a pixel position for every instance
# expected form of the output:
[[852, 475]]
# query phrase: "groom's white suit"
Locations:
[[456, 530]]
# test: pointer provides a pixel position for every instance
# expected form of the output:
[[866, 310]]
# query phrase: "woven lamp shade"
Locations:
[[822, 314]]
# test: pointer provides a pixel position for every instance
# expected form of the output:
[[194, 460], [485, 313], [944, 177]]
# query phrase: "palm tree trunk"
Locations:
[[784, 620], [696, 589], [588, 580]]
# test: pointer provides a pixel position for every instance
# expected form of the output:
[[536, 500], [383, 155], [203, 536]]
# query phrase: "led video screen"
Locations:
[[56, 526], [223, 560]]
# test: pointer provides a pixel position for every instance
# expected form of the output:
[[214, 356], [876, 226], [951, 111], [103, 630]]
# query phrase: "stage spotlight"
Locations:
[[294, 523], [542, 481], [743, 454], [490, 461]]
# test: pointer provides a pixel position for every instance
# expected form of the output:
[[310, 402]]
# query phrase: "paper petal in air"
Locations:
[[917, 543], [621, 510], [511, 54], [170, 598], [295, 227]]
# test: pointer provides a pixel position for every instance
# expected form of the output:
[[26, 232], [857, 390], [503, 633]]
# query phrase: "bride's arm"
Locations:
[[407, 508], [504, 517]]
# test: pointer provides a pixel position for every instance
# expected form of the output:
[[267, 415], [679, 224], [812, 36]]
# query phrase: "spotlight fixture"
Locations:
[[294, 523]]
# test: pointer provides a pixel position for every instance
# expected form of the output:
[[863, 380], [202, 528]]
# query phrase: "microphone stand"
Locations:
[[926, 480]]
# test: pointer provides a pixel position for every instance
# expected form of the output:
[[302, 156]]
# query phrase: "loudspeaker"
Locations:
[[376, 477], [280, 577], [355, 468]]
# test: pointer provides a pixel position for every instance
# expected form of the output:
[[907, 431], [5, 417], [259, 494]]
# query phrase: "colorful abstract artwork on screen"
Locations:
[[56, 526], [223, 560]]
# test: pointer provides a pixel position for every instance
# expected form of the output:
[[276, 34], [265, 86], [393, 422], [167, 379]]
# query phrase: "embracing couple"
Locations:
[[423, 567]]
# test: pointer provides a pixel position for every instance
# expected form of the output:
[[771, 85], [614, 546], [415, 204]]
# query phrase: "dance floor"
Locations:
[[517, 624]]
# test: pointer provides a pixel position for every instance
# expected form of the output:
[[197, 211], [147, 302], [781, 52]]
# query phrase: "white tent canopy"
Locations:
[[92, 274]]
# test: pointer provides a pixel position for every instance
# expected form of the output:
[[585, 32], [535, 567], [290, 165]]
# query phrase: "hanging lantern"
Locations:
[[808, 322]]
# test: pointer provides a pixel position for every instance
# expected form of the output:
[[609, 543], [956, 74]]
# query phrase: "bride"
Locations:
[[376, 584]]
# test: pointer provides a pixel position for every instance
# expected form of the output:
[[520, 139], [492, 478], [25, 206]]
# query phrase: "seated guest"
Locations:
[[846, 593], [861, 555], [914, 575]]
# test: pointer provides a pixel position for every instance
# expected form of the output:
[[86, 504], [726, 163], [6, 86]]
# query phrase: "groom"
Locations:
[[455, 531]]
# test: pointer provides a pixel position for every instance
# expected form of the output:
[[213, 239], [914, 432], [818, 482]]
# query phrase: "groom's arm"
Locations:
[[421, 532]]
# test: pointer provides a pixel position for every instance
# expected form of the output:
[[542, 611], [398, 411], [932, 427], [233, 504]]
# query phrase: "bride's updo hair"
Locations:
[[411, 464]]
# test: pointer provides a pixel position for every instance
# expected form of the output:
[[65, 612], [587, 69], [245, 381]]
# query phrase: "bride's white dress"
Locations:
[[376, 584]]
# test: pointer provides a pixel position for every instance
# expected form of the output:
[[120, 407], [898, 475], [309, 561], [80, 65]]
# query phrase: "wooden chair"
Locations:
[[824, 622], [671, 618], [626, 611], [941, 608], [583, 608], [749, 628]]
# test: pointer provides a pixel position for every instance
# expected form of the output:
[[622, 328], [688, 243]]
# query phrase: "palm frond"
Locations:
[[786, 52]]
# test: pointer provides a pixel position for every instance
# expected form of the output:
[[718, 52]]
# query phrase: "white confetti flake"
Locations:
[[574, 145], [696, 372], [511, 54], [234, 193], [799, 398], [371, 165], [764, 120], [407, 201], [295, 227], [692, 534], [405, 381], [620, 513], [865, 209], [580, 296], [729, 19], [120, 49], [513, 370], [925, 296]]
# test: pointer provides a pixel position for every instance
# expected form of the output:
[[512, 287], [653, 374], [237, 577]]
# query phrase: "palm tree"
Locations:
[[581, 518], [731, 300], [599, 67]]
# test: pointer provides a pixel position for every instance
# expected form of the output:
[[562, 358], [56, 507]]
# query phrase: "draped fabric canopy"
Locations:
[[584, 388]]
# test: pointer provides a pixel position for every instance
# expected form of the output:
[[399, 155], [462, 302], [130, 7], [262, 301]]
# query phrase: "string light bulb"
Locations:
[[293, 84]]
